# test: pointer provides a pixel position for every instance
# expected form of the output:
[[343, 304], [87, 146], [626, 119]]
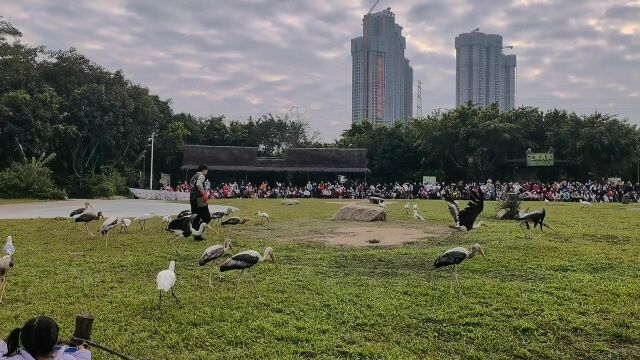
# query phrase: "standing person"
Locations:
[[199, 198], [37, 340]]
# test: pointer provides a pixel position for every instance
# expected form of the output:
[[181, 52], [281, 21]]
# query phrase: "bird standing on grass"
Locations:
[[234, 220], [5, 264], [220, 214], [183, 227], [585, 204], [263, 215], [464, 220], [124, 224], [415, 207], [213, 253], [86, 218], [166, 281], [166, 220], [107, 225], [407, 206], [143, 219], [245, 260], [416, 215], [9, 248], [537, 217], [455, 256], [81, 210]]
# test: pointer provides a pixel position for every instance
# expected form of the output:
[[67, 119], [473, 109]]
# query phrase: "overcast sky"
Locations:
[[250, 57]]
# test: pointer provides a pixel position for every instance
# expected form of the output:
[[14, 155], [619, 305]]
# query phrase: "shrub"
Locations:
[[28, 181], [108, 183]]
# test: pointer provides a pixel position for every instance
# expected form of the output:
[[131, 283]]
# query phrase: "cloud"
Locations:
[[248, 57]]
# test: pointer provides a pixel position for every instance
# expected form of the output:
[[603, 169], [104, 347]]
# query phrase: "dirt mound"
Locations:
[[361, 213]]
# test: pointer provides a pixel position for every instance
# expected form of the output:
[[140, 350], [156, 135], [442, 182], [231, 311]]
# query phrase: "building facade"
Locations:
[[382, 79], [484, 75]]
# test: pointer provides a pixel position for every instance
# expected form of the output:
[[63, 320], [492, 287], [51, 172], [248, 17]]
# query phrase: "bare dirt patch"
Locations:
[[378, 236]]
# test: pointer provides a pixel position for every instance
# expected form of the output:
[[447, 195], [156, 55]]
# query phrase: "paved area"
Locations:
[[120, 208]]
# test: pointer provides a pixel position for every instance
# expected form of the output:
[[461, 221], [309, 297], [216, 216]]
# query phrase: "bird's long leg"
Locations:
[[86, 225], [172, 244], [255, 287], [159, 297], [174, 296], [455, 271]]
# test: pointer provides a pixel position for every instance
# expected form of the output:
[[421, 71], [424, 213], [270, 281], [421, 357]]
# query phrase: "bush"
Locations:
[[108, 183], [28, 181]]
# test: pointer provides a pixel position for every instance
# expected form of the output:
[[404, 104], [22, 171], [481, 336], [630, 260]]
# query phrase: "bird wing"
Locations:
[[474, 208], [76, 212], [453, 207], [451, 257], [165, 280], [239, 261], [212, 253], [9, 249], [231, 221], [86, 217], [182, 223], [108, 224]]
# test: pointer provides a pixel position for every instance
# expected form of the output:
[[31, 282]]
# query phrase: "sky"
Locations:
[[242, 58]]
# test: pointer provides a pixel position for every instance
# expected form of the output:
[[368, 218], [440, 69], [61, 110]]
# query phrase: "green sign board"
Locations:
[[540, 159]]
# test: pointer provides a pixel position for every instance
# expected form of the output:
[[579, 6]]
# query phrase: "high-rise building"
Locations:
[[484, 74], [382, 79]]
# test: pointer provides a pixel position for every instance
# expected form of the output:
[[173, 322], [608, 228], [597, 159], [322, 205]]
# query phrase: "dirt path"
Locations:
[[379, 236]]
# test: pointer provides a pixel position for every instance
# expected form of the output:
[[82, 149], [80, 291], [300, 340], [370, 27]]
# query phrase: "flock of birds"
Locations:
[[183, 226]]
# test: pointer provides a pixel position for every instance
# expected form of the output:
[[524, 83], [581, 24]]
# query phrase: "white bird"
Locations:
[[124, 224], [455, 256], [166, 220], [382, 205], [546, 200], [246, 259], [143, 219], [585, 204], [415, 207], [9, 248], [416, 215], [407, 207], [213, 253], [5, 264], [166, 280], [263, 216]]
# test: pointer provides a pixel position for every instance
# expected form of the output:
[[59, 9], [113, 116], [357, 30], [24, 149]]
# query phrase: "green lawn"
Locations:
[[570, 293]]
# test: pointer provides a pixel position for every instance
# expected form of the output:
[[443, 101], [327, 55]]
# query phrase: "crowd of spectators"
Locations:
[[592, 191]]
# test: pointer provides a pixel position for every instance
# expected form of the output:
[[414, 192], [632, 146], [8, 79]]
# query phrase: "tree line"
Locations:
[[97, 124]]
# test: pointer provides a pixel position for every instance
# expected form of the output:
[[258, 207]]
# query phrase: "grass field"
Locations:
[[570, 293]]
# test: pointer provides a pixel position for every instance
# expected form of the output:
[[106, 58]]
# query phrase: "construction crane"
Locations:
[[374, 5]]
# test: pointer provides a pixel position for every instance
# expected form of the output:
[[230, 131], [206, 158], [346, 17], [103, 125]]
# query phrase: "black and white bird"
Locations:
[[5, 264], [184, 213], [536, 217], [81, 210], [183, 227], [166, 281], [213, 253], [375, 200], [124, 224], [234, 220], [144, 218], [219, 214], [245, 260], [87, 217], [455, 256], [464, 220], [263, 216], [9, 248], [166, 220], [108, 224]]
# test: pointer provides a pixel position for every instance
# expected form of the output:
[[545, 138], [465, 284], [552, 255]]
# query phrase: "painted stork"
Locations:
[[455, 256], [183, 227], [407, 206], [537, 217], [9, 248], [124, 224], [585, 204], [417, 216], [464, 220], [263, 215], [166, 281], [213, 253], [234, 220], [245, 260], [81, 210], [143, 219], [375, 200], [108, 224], [220, 214], [86, 218], [5, 264]]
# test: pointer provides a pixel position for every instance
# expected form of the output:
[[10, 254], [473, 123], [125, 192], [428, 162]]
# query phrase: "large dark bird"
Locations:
[[184, 213], [537, 217], [219, 214], [464, 220], [234, 220], [183, 226], [86, 218], [81, 210]]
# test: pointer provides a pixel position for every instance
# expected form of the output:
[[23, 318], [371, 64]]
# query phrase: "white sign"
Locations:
[[428, 180]]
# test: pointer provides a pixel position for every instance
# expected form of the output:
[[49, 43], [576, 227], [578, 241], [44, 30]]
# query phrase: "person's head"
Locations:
[[203, 169], [37, 337]]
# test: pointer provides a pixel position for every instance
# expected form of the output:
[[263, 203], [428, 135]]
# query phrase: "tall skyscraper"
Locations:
[[484, 74], [382, 79]]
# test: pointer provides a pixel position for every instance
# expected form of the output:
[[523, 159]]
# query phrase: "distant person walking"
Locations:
[[199, 198]]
